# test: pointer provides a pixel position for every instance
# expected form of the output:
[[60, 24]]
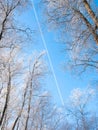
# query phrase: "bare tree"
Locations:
[[78, 108], [23, 103], [10, 31], [10, 69], [77, 23], [10, 38]]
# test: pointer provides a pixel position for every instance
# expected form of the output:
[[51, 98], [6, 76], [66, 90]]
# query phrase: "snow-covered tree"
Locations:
[[24, 105], [77, 25], [79, 108]]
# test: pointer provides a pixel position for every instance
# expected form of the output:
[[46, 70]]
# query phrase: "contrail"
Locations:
[[50, 62]]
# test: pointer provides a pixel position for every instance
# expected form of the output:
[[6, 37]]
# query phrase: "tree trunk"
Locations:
[[90, 12]]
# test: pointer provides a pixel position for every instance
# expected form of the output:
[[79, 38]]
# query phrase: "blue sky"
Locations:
[[65, 79]]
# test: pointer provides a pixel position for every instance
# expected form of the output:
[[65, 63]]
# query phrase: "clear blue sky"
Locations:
[[65, 79]]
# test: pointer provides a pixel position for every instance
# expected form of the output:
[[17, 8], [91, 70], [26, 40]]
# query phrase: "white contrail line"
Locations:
[[50, 62]]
